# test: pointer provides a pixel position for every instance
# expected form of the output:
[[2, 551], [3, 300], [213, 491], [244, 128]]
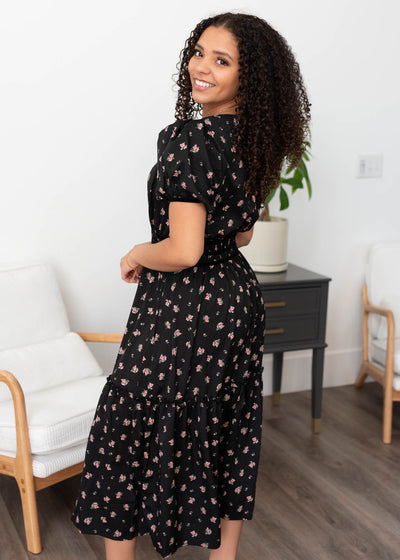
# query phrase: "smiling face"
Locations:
[[214, 71]]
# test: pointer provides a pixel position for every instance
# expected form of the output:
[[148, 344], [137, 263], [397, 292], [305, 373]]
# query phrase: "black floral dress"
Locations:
[[175, 440]]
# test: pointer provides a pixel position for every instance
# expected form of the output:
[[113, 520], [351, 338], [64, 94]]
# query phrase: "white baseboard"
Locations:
[[340, 368]]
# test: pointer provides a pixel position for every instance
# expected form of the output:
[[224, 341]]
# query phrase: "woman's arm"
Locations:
[[182, 249], [244, 237]]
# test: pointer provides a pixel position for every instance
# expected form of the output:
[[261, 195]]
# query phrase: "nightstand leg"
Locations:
[[276, 377], [316, 397]]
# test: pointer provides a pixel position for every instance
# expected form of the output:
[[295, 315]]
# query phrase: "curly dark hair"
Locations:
[[273, 109]]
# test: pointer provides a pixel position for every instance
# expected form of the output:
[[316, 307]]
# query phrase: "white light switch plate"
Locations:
[[370, 166]]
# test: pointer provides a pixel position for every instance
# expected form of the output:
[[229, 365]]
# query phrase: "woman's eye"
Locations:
[[222, 61], [197, 53]]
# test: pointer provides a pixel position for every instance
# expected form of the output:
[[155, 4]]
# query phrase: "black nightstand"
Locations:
[[295, 319]]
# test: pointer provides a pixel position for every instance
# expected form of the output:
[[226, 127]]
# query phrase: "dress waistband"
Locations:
[[218, 250]]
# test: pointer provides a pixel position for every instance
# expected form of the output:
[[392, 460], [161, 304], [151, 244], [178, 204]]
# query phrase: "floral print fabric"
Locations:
[[175, 440]]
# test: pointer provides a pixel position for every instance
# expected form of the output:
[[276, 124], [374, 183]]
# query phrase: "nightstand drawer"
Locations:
[[288, 329], [293, 301]]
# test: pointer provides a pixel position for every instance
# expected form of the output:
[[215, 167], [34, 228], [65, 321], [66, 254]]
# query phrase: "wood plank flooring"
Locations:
[[330, 496]]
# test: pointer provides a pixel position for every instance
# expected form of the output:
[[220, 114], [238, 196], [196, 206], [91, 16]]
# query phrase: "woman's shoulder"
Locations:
[[217, 127]]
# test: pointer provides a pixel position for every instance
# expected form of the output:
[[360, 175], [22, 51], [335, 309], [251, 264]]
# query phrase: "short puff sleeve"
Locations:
[[191, 163]]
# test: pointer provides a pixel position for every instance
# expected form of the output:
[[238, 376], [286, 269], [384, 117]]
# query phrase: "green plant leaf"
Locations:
[[284, 199], [297, 187], [298, 174], [270, 196], [309, 187], [296, 183], [307, 178]]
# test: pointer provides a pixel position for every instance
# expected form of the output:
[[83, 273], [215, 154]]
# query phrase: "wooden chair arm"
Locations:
[[374, 309], [369, 308], [21, 423], [390, 340], [101, 337]]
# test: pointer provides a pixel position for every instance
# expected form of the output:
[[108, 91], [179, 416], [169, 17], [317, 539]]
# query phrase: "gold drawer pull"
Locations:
[[274, 331], [275, 304]]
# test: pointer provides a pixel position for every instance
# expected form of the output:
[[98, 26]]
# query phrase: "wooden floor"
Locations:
[[330, 496]]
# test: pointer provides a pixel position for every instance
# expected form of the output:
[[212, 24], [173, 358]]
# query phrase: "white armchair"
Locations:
[[50, 387], [381, 341]]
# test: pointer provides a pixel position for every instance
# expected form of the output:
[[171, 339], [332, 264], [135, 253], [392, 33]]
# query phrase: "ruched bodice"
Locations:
[[218, 250]]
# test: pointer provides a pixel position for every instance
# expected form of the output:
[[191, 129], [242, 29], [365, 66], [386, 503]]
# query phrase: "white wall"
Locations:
[[85, 86]]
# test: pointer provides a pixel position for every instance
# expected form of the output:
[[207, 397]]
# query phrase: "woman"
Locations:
[[175, 442]]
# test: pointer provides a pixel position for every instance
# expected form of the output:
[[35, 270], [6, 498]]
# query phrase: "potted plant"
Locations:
[[267, 251]]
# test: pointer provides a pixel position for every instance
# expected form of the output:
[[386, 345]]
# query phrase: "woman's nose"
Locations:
[[203, 65]]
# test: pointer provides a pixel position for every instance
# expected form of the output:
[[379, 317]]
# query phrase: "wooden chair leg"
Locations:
[[387, 417], [22, 467], [27, 491], [361, 377]]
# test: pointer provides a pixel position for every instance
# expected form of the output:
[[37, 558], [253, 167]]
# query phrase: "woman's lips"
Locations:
[[201, 85]]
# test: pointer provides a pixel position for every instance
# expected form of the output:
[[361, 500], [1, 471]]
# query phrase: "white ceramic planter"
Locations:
[[267, 250]]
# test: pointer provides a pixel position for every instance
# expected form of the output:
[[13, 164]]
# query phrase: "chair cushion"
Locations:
[[378, 355], [48, 364], [382, 278], [45, 465], [31, 306], [58, 418]]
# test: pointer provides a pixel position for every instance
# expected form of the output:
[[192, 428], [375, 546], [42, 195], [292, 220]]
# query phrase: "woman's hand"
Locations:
[[130, 269]]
